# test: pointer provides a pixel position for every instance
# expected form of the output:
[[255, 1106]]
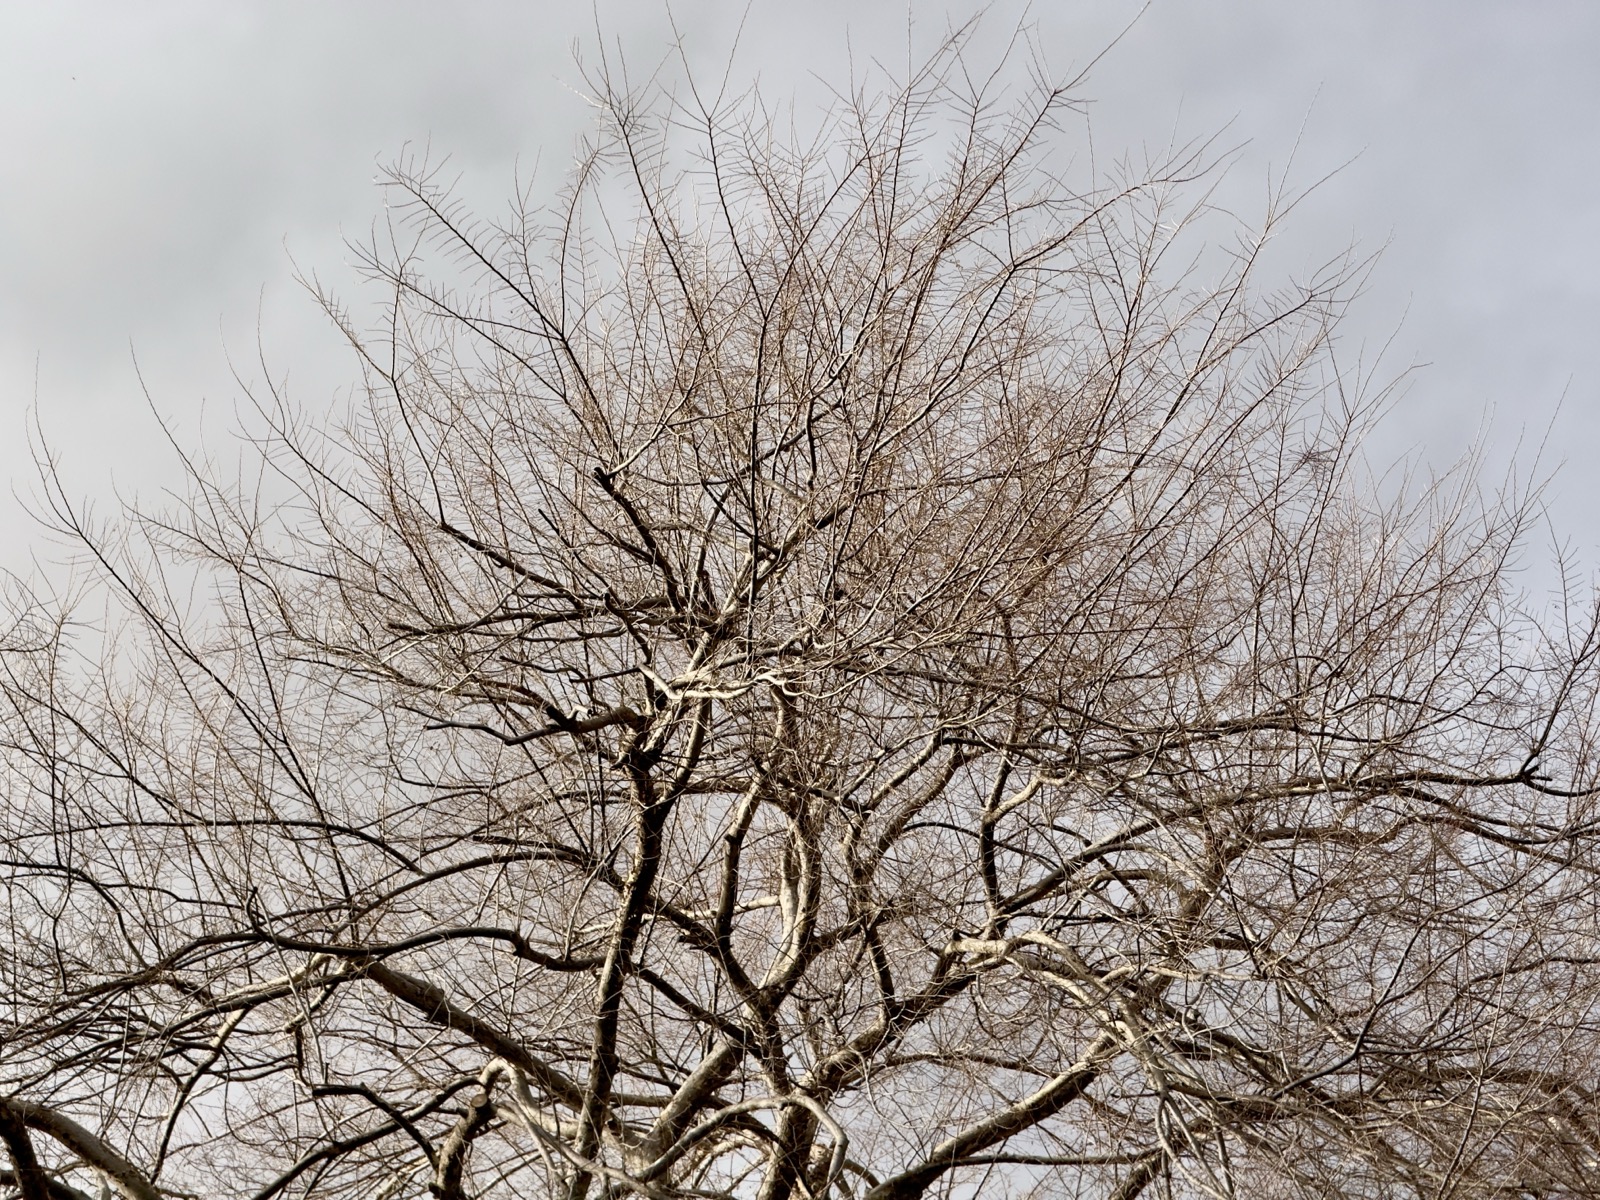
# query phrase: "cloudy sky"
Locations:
[[167, 165]]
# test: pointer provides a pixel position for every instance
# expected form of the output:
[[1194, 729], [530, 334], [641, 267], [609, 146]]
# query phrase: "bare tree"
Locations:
[[826, 669]]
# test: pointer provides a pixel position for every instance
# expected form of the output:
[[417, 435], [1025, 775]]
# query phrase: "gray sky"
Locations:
[[163, 161]]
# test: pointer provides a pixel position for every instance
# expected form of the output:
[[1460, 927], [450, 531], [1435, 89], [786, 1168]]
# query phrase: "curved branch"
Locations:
[[127, 1178], [997, 1127]]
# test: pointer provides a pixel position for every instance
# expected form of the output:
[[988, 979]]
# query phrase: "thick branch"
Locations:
[[431, 1001], [1047, 1101], [127, 1178]]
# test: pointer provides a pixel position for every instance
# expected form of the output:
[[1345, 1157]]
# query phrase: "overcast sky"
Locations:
[[162, 163]]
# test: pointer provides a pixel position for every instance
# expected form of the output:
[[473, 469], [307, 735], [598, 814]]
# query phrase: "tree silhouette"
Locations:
[[811, 667]]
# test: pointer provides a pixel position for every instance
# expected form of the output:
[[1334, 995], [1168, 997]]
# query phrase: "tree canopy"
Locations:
[[842, 667]]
